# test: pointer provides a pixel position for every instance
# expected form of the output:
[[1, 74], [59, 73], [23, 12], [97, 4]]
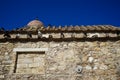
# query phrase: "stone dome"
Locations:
[[36, 23]]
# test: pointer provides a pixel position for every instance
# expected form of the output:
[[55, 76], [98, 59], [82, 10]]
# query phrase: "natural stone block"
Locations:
[[84, 59], [22, 65], [25, 61], [7, 62], [54, 44], [103, 67], [34, 65], [88, 67], [95, 67], [90, 59], [1, 76], [39, 59]]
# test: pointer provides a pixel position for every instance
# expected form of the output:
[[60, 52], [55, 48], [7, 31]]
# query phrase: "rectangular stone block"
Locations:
[[34, 71], [41, 70], [34, 65], [25, 61], [38, 59], [22, 65], [7, 62], [21, 71]]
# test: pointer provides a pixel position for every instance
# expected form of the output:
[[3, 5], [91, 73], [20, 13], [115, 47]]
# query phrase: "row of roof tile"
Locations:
[[72, 28]]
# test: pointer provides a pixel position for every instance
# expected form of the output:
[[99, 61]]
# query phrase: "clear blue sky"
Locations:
[[17, 13]]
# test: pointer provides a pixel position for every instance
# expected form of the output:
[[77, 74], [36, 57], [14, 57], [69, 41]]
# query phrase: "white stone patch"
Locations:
[[90, 35], [54, 44], [65, 45], [88, 67], [34, 65], [1, 76], [103, 67], [96, 60], [6, 53], [90, 59], [90, 54], [22, 65], [95, 67], [45, 35]]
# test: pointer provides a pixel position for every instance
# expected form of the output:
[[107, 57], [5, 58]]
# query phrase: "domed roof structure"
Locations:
[[36, 23], [33, 25]]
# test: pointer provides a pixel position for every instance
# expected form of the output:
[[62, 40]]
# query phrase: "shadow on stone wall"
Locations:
[[118, 70], [103, 39]]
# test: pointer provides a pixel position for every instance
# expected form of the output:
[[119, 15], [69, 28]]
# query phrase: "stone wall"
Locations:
[[96, 60]]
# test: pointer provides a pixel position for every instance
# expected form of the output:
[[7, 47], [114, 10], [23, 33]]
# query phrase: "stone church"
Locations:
[[36, 52]]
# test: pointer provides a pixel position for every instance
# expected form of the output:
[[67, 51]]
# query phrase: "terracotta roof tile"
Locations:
[[73, 28], [48, 28], [97, 28], [113, 28], [77, 28], [90, 28], [70, 28], [83, 28]]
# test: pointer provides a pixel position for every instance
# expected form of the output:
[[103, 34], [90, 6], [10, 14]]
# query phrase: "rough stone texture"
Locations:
[[99, 61]]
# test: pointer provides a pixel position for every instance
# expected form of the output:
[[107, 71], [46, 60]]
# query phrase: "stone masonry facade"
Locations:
[[98, 60]]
